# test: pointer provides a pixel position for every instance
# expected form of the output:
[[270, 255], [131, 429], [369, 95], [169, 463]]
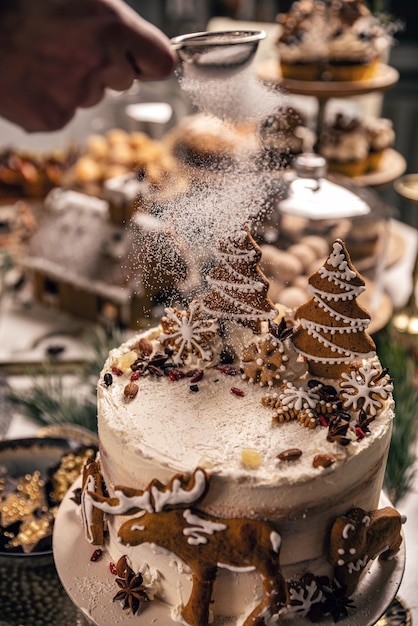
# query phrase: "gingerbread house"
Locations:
[[83, 263]]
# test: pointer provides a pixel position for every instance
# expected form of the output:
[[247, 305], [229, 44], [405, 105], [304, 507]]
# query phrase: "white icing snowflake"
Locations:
[[365, 389], [302, 598], [298, 398], [188, 332]]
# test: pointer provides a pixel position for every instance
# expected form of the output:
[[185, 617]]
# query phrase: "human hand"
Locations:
[[58, 55]]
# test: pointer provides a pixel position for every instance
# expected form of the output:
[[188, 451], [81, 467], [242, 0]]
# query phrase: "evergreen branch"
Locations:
[[395, 354], [50, 400]]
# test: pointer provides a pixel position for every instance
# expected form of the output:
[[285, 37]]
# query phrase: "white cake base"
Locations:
[[91, 585]]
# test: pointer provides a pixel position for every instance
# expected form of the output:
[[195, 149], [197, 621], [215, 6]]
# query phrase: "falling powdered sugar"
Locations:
[[220, 200], [234, 96]]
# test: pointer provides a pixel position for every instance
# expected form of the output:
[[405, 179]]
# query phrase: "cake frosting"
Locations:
[[242, 455]]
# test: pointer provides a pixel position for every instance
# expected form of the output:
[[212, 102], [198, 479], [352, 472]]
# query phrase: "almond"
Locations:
[[130, 391], [291, 454], [145, 346], [323, 460]]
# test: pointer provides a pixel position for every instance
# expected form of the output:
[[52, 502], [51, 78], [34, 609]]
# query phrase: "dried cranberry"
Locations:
[[116, 371], [359, 433], [237, 392], [135, 375], [175, 374], [227, 369], [198, 375], [96, 555], [323, 421], [113, 569]]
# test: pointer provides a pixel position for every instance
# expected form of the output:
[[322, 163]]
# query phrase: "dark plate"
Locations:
[[27, 455]]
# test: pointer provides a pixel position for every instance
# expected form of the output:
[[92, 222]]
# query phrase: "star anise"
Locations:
[[76, 496], [154, 364], [281, 330], [337, 430], [336, 602], [131, 590], [364, 420]]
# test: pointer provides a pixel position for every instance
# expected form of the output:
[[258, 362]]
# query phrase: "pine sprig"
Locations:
[[396, 355], [53, 399], [49, 401]]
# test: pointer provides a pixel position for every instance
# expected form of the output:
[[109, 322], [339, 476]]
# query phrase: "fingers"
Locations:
[[134, 42], [150, 55]]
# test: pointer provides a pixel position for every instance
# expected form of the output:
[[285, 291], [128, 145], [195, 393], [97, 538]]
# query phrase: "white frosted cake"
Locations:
[[242, 455]]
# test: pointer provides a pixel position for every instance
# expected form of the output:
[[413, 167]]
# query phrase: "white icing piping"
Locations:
[[310, 326], [86, 509], [258, 285], [348, 294], [179, 495], [276, 541], [251, 311], [332, 329], [358, 565], [358, 322], [347, 528], [200, 526], [353, 355]]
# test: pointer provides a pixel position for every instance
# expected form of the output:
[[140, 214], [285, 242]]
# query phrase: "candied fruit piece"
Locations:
[[125, 361], [251, 458]]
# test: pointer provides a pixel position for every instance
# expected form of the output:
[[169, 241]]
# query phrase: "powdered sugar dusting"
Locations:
[[237, 97], [219, 203]]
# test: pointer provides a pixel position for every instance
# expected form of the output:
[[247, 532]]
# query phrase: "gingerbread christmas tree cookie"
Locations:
[[238, 286], [332, 328]]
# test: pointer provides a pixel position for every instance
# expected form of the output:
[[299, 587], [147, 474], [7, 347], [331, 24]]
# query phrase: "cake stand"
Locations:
[[323, 91], [391, 167], [91, 585]]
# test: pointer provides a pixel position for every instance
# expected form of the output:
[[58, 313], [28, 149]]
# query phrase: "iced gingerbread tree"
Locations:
[[332, 329], [238, 286]]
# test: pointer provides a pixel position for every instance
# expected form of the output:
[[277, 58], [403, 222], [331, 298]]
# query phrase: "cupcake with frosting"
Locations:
[[206, 143], [356, 41], [354, 146], [339, 40], [301, 43], [283, 135], [381, 136]]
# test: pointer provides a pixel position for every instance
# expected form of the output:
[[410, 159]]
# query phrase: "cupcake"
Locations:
[[345, 146], [353, 146], [207, 143], [339, 41], [381, 136], [301, 44], [356, 41], [283, 135]]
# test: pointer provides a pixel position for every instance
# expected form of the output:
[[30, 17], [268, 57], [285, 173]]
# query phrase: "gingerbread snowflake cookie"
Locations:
[[264, 361], [291, 402], [188, 332]]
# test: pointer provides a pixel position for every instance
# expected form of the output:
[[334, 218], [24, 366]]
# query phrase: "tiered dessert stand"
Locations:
[[393, 164]]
